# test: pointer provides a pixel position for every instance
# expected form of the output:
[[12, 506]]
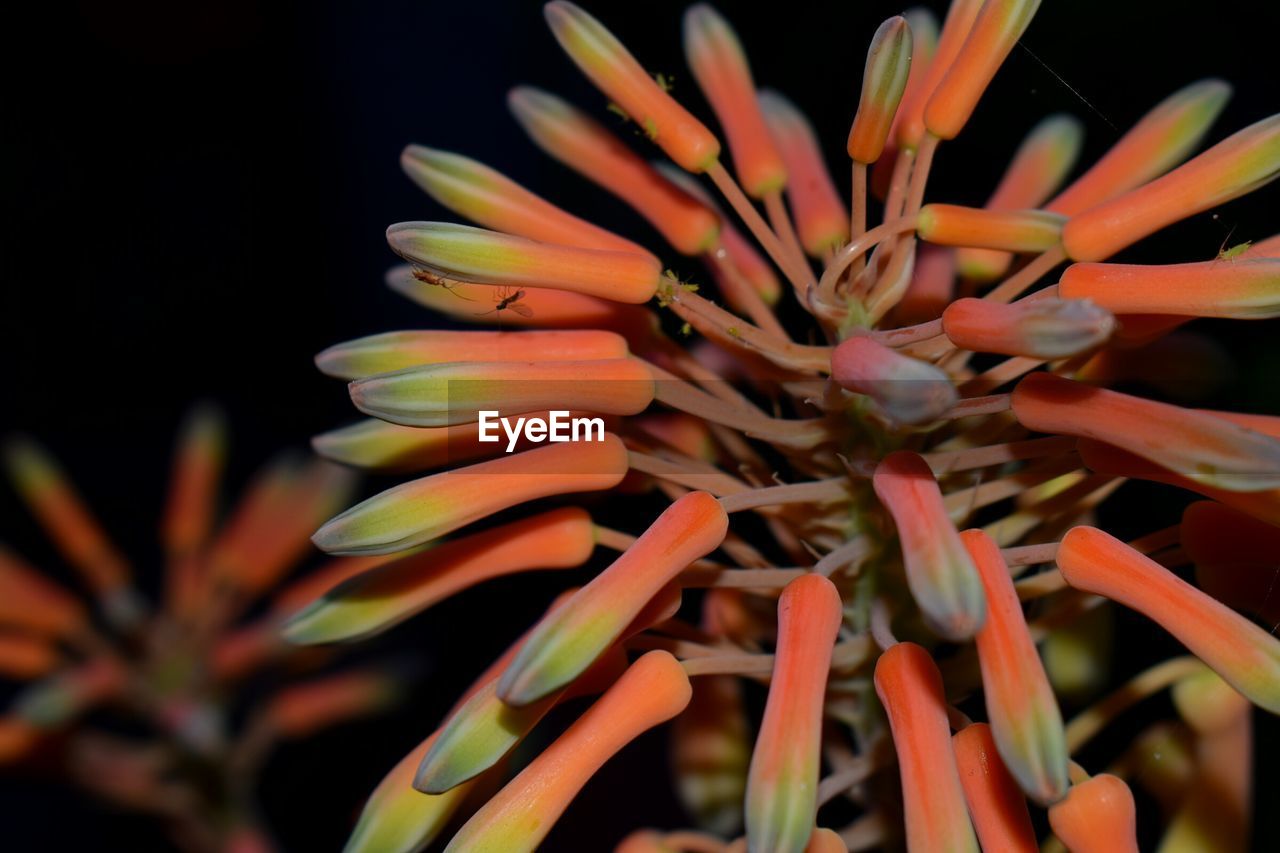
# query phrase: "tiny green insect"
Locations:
[[1235, 251]]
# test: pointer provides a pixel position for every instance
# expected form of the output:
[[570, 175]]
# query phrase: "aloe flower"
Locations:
[[805, 396], [173, 711]]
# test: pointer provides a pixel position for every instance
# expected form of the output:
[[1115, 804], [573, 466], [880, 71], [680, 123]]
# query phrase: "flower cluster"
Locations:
[[881, 447], [169, 709]]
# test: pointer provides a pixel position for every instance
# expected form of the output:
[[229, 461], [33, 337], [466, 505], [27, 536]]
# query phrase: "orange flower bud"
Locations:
[[582, 144], [1246, 656], [616, 72], [1097, 814], [1009, 230], [996, 805], [1199, 446], [910, 688], [998, 26], [1035, 328], [782, 787], [1236, 166], [719, 64], [889, 61]]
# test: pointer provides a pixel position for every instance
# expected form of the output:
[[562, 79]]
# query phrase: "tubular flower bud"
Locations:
[[1097, 814], [1246, 656], [582, 144], [924, 42], [268, 531], [1104, 458], [24, 657], [653, 690], [1234, 556], [943, 580], [995, 31], [30, 602], [477, 303], [423, 509], [1008, 230], [381, 446], [1198, 446], [1159, 141], [437, 395], [300, 710], [1238, 289], [616, 72], [565, 643], [1038, 168], [1236, 166], [711, 750], [398, 819], [996, 805], [65, 518], [782, 786], [884, 80], [685, 433], [961, 15], [387, 595], [1217, 816], [908, 390], [821, 219], [932, 286], [1163, 762], [826, 840], [201, 452], [910, 688], [1207, 703], [1036, 328], [391, 351], [483, 257], [484, 729], [1025, 719], [492, 200], [719, 64]]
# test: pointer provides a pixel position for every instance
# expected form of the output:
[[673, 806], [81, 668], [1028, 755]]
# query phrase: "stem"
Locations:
[[739, 290], [972, 406], [909, 334], [716, 482], [1013, 287], [739, 578], [693, 842], [1030, 555], [850, 552], [1093, 720], [950, 461], [920, 174], [678, 394], [784, 228], [850, 252], [801, 279], [858, 216], [1038, 586], [817, 492], [842, 780], [743, 664], [718, 324]]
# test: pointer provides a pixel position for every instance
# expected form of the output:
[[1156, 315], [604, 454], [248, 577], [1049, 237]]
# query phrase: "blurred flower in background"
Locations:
[[169, 707]]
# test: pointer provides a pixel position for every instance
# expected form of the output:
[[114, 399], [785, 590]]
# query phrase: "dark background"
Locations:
[[194, 199]]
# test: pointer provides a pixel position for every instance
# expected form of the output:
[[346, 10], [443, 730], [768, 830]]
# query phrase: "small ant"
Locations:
[[508, 300], [428, 277]]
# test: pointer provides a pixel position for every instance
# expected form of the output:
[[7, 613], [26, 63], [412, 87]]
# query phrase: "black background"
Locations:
[[194, 199]]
